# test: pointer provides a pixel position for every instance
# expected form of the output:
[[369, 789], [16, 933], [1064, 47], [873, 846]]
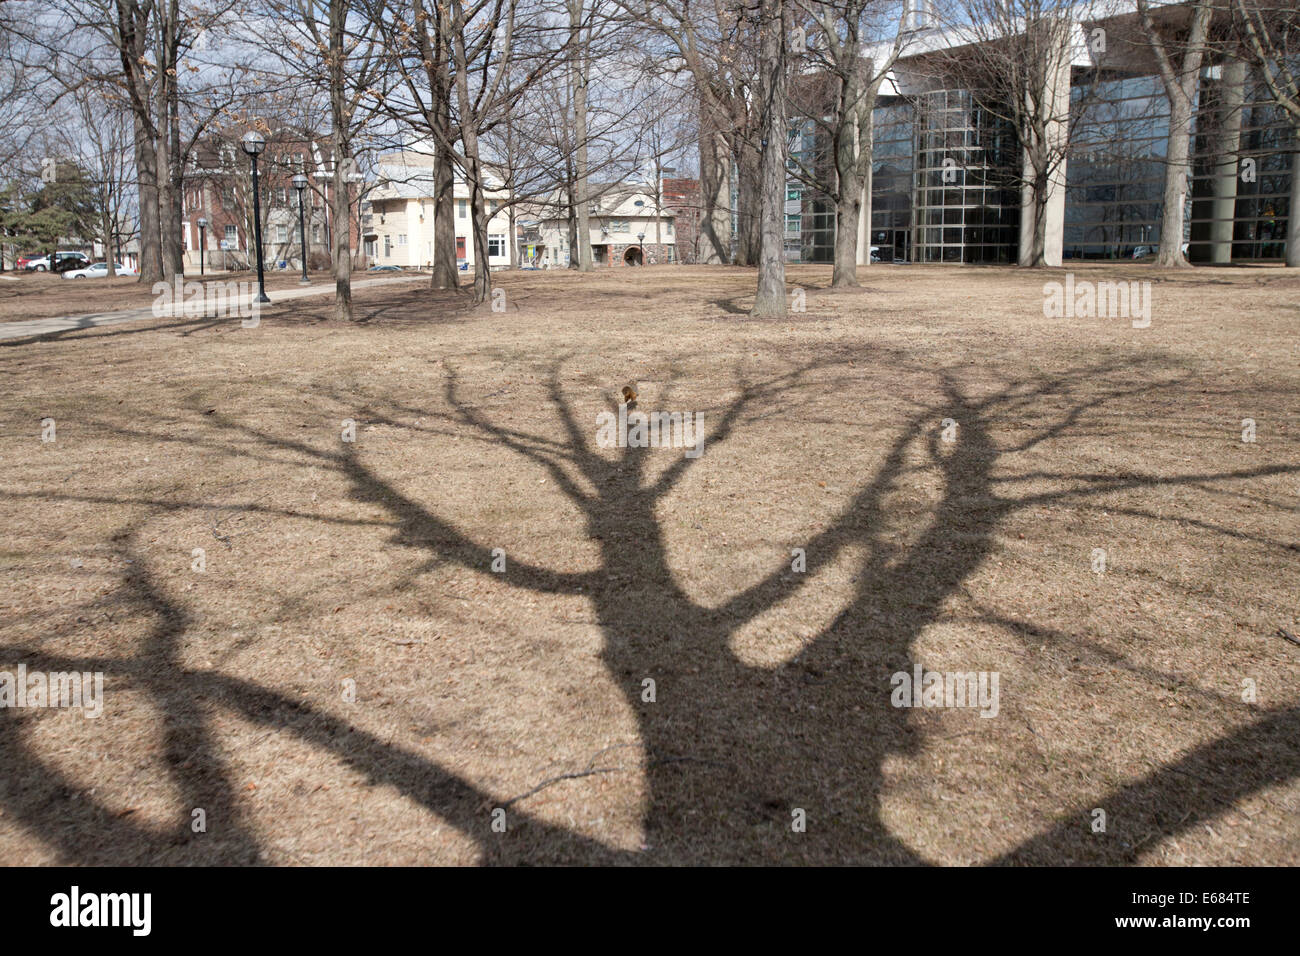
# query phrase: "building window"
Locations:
[[232, 233], [228, 197], [462, 208], [401, 238], [281, 196], [668, 227], [281, 233], [496, 246], [315, 232]]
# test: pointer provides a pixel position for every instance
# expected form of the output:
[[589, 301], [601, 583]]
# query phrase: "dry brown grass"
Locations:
[[39, 295], [370, 561]]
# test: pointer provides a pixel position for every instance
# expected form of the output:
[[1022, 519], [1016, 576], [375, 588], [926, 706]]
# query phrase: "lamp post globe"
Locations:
[[203, 240], [253, 143], [300, 183]]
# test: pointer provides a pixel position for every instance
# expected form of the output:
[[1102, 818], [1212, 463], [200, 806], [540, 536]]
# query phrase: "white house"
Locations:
[[397, 221]]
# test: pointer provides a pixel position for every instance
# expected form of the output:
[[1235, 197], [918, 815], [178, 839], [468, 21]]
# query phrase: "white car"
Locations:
[[99, 270]]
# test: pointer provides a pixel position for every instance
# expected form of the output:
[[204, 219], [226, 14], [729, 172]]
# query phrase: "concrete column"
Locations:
[[1223, 209], [1293, 220], [1058, 132]]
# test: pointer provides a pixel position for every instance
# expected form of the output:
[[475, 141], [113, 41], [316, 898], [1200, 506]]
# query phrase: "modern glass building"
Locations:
[[948, 172]]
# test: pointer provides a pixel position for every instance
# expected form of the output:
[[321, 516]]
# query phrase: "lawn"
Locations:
[[457, 613], [25, 296]]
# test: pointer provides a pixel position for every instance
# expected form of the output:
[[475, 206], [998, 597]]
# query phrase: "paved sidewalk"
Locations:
[[71, 323]]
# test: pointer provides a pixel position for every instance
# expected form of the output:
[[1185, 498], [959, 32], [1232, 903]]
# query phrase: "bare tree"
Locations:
[[769, 299], [100, 134], [328, 48], [852, 47], [172, 80], [1178, 43], [1015, 59], [497, 50], [716, 44], [1268, 35]]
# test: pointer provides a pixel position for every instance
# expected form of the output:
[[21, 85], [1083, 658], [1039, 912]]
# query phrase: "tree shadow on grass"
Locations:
[[729, 751]]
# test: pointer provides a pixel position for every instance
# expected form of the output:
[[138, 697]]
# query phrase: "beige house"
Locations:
[[626, 230], [397, 220]]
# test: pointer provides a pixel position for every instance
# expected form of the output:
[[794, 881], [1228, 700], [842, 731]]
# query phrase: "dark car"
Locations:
[[58, 262]]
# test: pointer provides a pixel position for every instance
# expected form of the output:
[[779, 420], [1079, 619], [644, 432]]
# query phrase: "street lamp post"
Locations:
[[203, 241], [253, 143], [300, 184], [640, 241]]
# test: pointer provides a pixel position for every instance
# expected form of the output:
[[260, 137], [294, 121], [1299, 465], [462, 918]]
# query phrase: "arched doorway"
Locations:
[[633, 256]]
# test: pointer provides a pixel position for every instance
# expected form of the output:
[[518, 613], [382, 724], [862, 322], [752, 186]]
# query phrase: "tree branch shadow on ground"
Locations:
[[728, 749]]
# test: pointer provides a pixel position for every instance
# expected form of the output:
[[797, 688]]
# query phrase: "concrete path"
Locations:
[[71, 323]]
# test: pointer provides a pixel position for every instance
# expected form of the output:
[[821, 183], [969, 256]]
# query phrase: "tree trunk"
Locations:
[[146, 164], [444, 222], [769, 299], [1177, 167], [512, 239], [444, 274], [848, 184], [341, 198], [579, 80], [848, 213], [715, 193], [473, 163], [749, 203], [105, 220], [1180, 76]]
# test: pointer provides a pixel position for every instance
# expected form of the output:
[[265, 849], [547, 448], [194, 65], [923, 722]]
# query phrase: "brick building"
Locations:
[[218, 188], [682, 198]]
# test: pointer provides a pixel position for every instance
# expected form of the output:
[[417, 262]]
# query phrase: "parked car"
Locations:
[[1149, 252], [385, 269], [99, 270], [59, 262], [22, 262]]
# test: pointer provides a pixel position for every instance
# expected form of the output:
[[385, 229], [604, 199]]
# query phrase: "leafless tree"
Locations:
[[717, 45], [1267, 33], [496, 50], [177, 75], [769, 298], [850, 49], [1178, 40], [328, 49], [1014, 55], [98, 132]]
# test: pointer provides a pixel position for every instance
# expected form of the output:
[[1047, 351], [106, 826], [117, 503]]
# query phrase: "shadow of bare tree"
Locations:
[[772, 739]]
